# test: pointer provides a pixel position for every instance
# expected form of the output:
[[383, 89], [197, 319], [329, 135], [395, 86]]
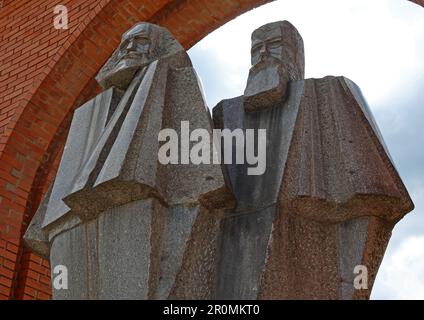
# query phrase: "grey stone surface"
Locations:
[[259, 191], [87, 126], [69, 249], [85, 177], [114, 163], [110, 256], [185, 183], [337, 163], [353, 237], [140, 250], [277, 58], [177, 233], [124, 251]]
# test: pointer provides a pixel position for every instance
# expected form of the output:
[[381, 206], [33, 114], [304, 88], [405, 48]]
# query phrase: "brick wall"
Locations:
[[44, 74], [29, 43]]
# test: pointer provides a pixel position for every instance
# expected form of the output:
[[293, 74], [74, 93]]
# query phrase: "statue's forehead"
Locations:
[[262, 35], [138, 30]]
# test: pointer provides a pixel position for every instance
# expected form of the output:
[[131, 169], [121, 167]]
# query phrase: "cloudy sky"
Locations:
[[378, 44]]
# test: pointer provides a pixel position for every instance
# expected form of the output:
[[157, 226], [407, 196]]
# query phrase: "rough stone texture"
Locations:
[[140, 250], [277, 58], [71, 246], [87, 126], [120, 69], [197, 276], [338, 167]]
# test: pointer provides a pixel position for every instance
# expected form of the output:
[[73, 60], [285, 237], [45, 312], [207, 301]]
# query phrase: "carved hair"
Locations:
[[163, 44]]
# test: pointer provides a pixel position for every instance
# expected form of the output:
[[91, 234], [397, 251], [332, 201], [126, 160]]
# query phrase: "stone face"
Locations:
[[277, 58], [245, 239], [87, 126], [338, 166], [141, 45]]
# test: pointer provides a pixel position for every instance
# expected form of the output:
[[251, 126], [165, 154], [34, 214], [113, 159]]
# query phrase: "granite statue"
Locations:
[[330, 195], [130, 227], [126, 226]]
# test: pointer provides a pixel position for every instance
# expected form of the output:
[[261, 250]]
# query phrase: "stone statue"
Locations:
[[126, 226], [330, 195]]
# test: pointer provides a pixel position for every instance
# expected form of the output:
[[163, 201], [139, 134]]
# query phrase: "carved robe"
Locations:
[[125, 225], [326, 203]]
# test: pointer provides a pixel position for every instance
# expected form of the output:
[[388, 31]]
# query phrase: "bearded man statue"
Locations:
[[125, 225], [316, 223]]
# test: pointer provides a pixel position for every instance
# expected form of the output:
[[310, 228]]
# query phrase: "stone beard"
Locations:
[[267, 83], [139, 46]]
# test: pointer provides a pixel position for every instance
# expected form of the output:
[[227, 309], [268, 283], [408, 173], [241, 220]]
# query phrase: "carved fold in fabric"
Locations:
[[338, 166]]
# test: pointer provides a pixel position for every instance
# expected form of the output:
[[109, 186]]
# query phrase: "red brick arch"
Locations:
[[44, 74]]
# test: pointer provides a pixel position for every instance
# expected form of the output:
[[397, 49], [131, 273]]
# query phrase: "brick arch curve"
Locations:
[[42, 80]]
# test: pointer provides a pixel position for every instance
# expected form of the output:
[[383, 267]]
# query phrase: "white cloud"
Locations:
[[403, 274]]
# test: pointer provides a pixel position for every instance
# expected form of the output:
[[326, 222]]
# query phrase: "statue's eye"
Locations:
[[274, 44], [123, 44]]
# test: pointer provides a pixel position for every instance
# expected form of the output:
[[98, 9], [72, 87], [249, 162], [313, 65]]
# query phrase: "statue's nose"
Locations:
[[263, 49]]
